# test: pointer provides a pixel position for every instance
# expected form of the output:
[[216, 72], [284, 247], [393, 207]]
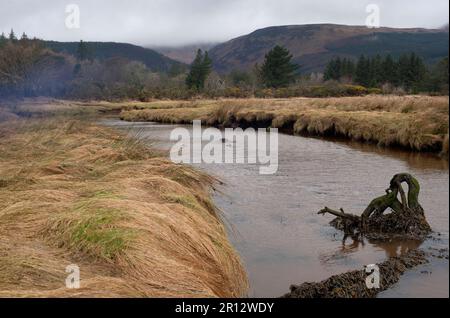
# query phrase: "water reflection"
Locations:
[[356, 243], [415, 160], [398, 247]]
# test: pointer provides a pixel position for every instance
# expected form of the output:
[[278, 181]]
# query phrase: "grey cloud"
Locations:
[[177, 22]]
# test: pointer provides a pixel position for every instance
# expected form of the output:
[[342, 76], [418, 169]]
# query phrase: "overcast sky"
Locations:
[[178, 22]]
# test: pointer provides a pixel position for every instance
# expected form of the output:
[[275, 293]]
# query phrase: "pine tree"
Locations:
[[81, 51], [352, 69], [348, 69], [389, 70], [24, 37], [418, 70], [404, 74], [437, 77], [12, 36], [206, 67], [277, 69], [377, 71], [84, 52], [338, 68], [330, 71], [411, 71], [362, 74], [441, 71], [200, 69], [3, 39]]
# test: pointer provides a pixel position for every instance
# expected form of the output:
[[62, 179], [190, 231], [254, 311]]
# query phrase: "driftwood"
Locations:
[[353, 284], [407, 218]]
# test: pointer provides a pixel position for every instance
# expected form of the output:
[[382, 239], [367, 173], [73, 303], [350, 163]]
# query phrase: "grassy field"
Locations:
[[418, 123], [137, 225]]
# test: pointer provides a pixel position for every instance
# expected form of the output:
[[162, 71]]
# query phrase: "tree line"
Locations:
[[29, 68], [408, 71]]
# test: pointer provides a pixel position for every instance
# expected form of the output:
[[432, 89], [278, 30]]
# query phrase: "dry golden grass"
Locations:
[[136, 224], [415, 122], [44, 107]]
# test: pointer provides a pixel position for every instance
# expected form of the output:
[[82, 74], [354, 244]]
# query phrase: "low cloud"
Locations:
[[181, 22]]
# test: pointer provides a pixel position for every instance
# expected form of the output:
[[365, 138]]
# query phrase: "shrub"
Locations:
[[355, 90], [236, 92], [374, 91], [264, 93]]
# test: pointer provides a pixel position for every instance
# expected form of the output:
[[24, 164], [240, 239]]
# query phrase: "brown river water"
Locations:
[[273, 223]]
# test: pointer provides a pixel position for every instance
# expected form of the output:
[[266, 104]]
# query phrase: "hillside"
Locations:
[[184, 54], [103, 50], [314, 45]]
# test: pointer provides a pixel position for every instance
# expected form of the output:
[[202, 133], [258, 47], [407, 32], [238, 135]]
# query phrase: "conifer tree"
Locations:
[[363, 71], [12, 36], [200, 69], [389, 70], [277, 69], [3, 39], [82, 53], [376, 71], [330, 71]]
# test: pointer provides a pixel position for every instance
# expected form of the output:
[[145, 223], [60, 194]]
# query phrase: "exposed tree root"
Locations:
[[353, 284], [406, 220]]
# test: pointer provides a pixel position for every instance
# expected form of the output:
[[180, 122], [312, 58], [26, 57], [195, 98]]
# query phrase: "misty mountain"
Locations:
[[312, 46], [103, 50], [185, 53]]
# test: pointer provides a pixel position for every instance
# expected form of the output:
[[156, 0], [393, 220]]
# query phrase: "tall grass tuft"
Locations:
[[137, 225]]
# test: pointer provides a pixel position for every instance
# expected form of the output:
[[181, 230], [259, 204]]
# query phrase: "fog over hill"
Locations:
[[313, 45], [184, 53], [155, 61]]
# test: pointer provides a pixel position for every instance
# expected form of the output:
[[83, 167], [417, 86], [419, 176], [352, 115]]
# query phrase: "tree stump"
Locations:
[[407, 217]]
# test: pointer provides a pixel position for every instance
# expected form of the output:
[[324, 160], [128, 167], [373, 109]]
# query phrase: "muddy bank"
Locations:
[[418, 123], [353, 284]]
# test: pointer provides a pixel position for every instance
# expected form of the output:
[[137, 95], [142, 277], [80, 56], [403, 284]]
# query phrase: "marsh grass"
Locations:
[[137, 225], [92, 231], [418, 123]]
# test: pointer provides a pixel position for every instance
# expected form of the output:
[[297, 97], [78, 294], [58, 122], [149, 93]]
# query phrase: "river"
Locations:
[[273, 223]]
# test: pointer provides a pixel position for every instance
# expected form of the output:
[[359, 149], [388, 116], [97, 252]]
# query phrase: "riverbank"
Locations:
[[418, 123], [136, 225], [273, 225], [275, 221]]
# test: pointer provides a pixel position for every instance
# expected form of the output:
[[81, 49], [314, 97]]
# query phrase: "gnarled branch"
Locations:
[[407, 216]]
